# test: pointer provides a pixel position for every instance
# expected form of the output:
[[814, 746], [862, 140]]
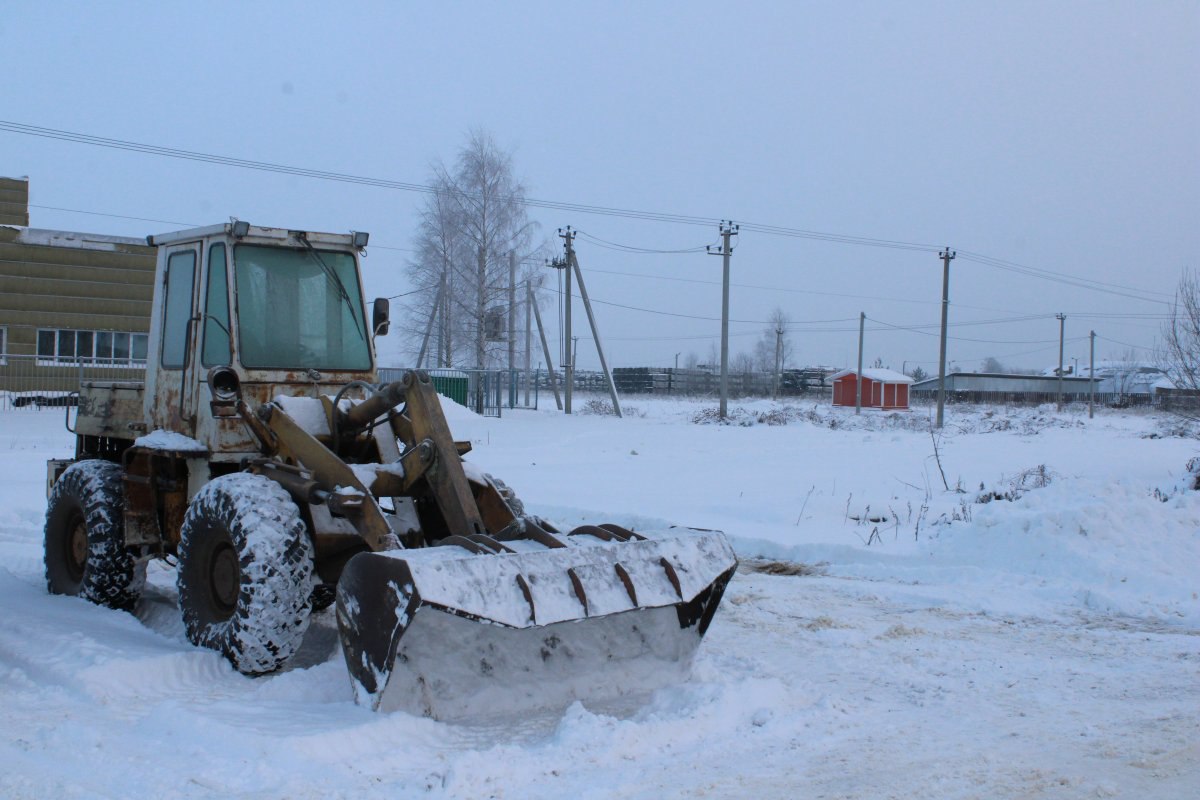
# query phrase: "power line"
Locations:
[[816, 292], [1116, 315], [403, 294], [1135, 293], [1126, 344], [690, 337], [911, 328], [757, 287], [383, 183], [626, 248], [674, 314], [1041, 272], [1069, 280], [115, 216], [917, 329]]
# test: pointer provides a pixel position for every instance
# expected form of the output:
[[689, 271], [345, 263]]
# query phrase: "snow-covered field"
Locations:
[[934, 646]]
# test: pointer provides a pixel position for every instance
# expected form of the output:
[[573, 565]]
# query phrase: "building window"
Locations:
[[3, 346], [101, 348]]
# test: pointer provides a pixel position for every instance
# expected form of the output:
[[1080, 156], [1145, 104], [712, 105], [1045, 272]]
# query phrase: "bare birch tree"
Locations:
[[472, 221], [1179, 355], [765, 348]]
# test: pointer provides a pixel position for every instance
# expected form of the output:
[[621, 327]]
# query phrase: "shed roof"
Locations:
[[81, 241], [876, 374], [1004, 377]]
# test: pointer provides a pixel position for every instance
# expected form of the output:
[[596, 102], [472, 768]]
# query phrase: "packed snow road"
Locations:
[[1043, 646]]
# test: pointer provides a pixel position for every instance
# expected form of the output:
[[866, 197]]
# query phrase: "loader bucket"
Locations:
[[452, 634]]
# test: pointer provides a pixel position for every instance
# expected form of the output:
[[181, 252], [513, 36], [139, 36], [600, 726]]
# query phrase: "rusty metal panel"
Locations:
[[111, 409], [156, 484], [226, 437], [55, 468]]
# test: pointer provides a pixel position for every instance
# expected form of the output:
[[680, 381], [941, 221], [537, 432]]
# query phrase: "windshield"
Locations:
[[299, 309]]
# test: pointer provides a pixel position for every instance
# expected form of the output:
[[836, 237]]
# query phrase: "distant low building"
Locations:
[[1004, 387], [1129, 378]]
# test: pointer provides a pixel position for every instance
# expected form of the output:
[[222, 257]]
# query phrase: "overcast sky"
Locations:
[[1060, 137]]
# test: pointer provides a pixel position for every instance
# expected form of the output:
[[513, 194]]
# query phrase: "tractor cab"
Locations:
[[267, 310]]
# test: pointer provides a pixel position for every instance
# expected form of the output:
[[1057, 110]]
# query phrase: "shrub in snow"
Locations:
[[597, 407], [1175, 427], [791, 568], [1191, 481], [1038, 477], [712, 416]]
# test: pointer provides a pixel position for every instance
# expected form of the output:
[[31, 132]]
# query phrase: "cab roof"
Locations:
[[256, 233]]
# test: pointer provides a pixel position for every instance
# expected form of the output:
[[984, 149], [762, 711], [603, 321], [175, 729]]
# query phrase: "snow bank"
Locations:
[[1039, 647], [456, 412]]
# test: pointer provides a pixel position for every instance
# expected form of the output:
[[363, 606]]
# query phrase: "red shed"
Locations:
[[882, 388]]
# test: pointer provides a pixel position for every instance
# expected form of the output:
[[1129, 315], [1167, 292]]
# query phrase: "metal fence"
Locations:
[[486, 392], [706, 382], [33, 382]]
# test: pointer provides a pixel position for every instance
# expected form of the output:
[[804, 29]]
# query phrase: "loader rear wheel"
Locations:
[[245, 572], [85, 547]]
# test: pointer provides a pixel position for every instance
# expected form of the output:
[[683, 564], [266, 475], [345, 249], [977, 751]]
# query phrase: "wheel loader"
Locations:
[[262, 459]]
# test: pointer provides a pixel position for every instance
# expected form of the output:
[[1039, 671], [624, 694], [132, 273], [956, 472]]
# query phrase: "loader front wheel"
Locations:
[[86, 554], [245, 572]]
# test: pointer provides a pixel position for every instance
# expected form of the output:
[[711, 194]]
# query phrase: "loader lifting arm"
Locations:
[[430, 462]]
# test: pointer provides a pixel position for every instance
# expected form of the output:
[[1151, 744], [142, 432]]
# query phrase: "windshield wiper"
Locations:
[[332, 277]]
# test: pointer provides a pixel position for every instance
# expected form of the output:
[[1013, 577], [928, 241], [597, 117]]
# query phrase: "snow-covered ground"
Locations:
[[934, 646]]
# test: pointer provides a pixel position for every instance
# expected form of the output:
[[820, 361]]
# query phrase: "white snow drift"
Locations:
[[1043, 644]]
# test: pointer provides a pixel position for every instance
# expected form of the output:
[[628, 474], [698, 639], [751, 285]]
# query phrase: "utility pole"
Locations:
[[946, 256], [512, 312], [862, 320], [528, 337], [778, 355], [728, 230], [1062, 323], [512, 328], [1091, 373], [568, 237], [545, 346], [433, 314], [587, 306], [445, 340], [481, 307]]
